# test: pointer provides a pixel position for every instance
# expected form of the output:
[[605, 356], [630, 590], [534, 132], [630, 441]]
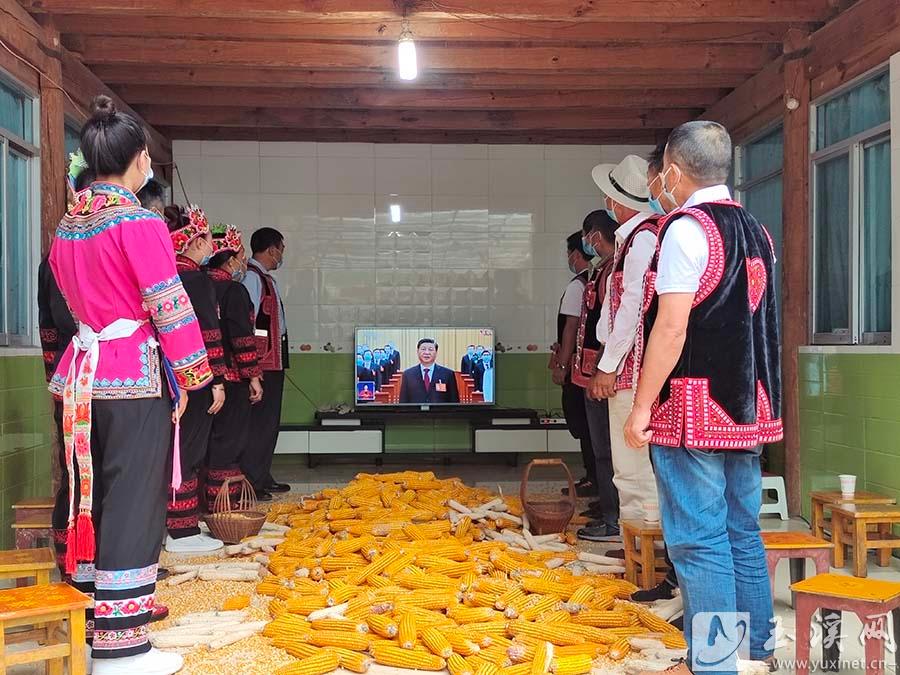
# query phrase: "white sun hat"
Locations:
[[625, 182]]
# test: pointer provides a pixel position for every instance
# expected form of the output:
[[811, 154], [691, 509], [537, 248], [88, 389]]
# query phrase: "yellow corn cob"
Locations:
[[382, 624], [469, 579], [582, 595], [497, 655], [457, 665], [510, 596], [559, 616], [400, 564], [518, 669], [591, 634], [295, 647], [286, 624], [325, 661], [428, 599], [375, 567], [614, 619], [236, 602], [543, 654], [340, 624], [655, 623], [626, 631], [461, 642], [431, 580], [437, 642], [276, 608], [463, 615], [487, 668], [674, 640], [353, 661], [587, 648], [542, 606], [572, 665], [619, 649], [558, 635], [305, 604], [463, 526], [338, 638], [406, 633], [546, 587], [603, 600], [406, 658]]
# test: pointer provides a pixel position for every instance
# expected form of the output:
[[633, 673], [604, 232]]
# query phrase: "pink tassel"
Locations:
[[70, 551], [176, 459], [84, 528]]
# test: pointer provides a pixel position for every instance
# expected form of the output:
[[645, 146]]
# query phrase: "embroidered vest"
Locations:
[[587, 346], [560, 317], [627, 377], [725, 391], [202, 295], [271, 349], [236, 321]]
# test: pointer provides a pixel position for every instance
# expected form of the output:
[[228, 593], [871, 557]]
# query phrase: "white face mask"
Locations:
[[667, 191], [147, 176]]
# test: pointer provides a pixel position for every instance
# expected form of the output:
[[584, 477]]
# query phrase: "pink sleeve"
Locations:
[[148, 249]]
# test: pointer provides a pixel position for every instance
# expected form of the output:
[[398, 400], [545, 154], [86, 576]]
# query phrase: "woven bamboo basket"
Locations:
[[548, 515], [232, 525]]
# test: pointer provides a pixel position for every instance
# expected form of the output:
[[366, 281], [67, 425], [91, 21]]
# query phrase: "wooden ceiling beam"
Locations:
[[437, 99], [521, 10], [428, 120], [218, 76], [352, 56], [573, 136], [486, 30]]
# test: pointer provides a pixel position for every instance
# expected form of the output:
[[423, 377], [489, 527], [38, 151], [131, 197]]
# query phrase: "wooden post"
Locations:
[[795, 279], [53, 144]]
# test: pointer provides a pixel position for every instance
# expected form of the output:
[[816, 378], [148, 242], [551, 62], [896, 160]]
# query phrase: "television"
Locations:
[[425, 367]]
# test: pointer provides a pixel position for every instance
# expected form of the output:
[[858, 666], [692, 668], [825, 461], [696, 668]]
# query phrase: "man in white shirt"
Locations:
[[712, 363], [628, 203]]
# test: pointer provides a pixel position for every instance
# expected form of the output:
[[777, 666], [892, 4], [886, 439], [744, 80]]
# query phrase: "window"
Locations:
[[18, 123], [851, 212], [758, 185], [73, 138]]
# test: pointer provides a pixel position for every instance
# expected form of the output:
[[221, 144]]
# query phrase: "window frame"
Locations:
[[32, 152], [853, 148]]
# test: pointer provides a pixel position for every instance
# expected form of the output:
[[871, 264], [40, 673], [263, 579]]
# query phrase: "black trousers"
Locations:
[[598, 422], [130, 450], [229, 440], [576, 420], [265, 421], [183, 517]]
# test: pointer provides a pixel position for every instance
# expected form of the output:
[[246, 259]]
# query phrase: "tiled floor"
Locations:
[[500, 476]]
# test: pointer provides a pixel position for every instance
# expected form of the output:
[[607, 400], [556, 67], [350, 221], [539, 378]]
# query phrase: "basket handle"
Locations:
[[523, 488], [246, 502]]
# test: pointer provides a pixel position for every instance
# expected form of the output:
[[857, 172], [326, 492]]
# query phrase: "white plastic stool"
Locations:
[[779, 506]]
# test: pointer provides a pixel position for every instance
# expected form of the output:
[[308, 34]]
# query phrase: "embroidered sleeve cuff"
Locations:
[[194, 376]]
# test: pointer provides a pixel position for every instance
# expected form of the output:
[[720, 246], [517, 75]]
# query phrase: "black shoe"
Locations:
[[602, 532], [618, 553], [662, 591], [277, 487], [583, 488], [263, 496], [161, 573]]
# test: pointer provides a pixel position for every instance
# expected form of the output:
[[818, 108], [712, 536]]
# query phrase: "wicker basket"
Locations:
[[548, 515], [233, 525]]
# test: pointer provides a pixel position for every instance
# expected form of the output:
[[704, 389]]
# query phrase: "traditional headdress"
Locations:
[[226, 238], [197, 226]]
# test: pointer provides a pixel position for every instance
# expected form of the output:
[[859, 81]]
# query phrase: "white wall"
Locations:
[[481, 240]]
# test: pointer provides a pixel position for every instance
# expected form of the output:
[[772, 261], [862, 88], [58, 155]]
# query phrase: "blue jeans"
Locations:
[[709, 504]]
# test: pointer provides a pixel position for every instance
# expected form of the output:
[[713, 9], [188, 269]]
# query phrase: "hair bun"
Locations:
[[102, 107]]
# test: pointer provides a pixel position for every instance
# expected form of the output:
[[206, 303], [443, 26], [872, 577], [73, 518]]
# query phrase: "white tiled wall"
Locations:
[[481, 239]]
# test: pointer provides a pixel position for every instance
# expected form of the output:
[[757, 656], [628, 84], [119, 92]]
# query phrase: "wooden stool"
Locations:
[[32, 506], [871, 600], [796, 547], [49, 605], [23, 564], [825, 498], [638, 537], [32, 528], [853, 521]]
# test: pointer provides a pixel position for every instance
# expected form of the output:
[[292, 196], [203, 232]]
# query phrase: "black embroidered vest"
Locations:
[[587, 346], [725, 391], [560, 317]]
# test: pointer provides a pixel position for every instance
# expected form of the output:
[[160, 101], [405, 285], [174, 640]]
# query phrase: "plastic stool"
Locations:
[[776, 483]]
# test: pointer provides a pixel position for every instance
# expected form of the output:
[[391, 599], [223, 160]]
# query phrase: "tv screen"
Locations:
[[425, 366]]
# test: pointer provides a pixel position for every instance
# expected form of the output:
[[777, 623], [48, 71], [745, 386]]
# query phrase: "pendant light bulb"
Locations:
[[406, 51]]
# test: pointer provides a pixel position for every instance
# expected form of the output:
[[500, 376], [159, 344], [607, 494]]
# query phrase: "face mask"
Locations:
[[359, 360], [666, 190], [656, 206], [612, 214], [572, 268], [147, 178], [279, 262], [239, 274], [588, 247], [470, 352]]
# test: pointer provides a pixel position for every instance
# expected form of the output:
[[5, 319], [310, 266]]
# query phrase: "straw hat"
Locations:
[[625, 182]]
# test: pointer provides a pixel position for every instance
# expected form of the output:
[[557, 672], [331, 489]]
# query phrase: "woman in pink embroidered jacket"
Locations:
[[114, 264]]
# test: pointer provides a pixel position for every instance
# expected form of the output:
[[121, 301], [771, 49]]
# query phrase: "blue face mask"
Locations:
[[359, 360], [612, 214], [205, 261], [656, 206], [588, 248]]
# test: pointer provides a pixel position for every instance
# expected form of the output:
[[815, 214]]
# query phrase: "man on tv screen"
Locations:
[[428, 382]]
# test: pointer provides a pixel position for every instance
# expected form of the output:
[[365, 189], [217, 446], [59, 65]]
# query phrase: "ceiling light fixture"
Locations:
[[406, 52], [395, 213]]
